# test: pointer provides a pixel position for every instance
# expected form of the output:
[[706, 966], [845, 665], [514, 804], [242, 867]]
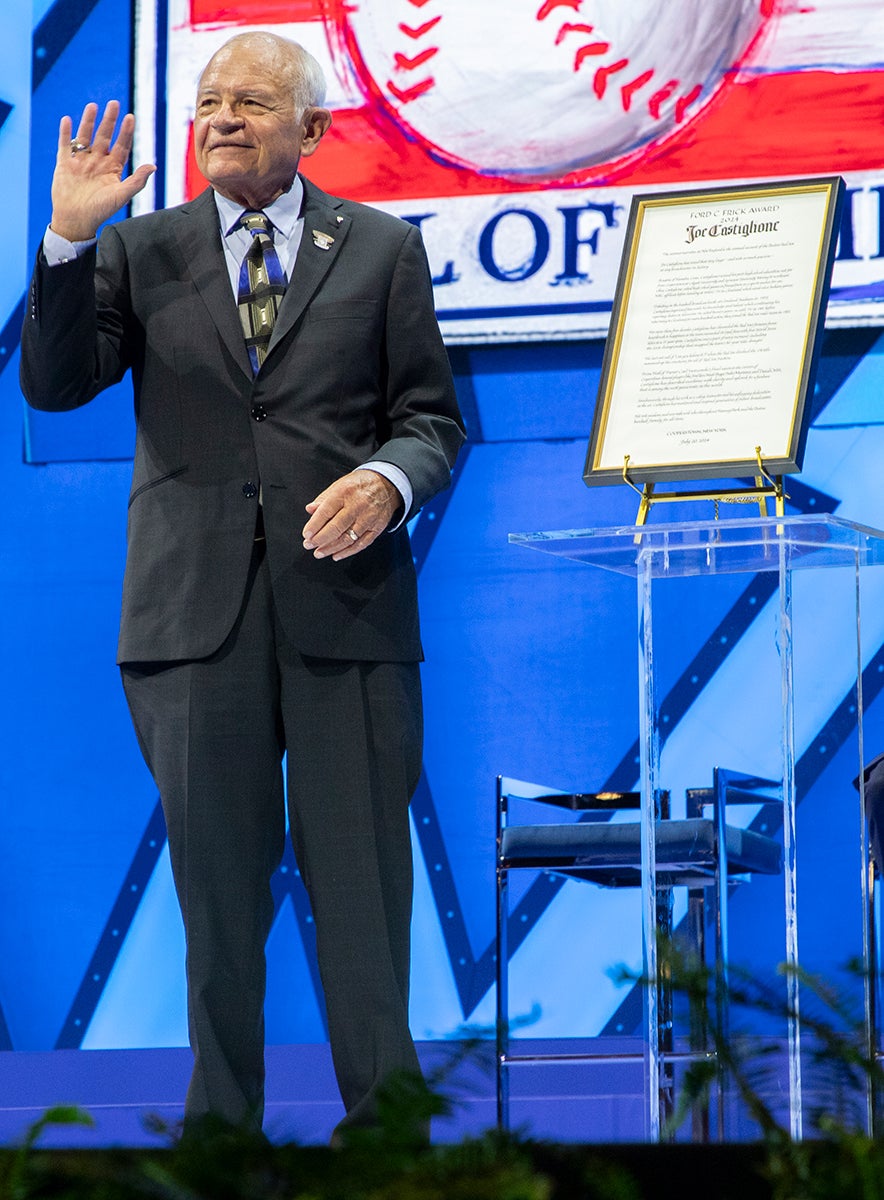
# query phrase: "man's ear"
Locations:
[[317, 121]]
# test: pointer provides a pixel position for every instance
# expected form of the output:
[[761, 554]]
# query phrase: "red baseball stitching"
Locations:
[[409, 64], [660, 97], [590, 50], [549, 5], [628, 90], [421, 29], [569, 28], [405, 62], [683, 101], [406, 95]]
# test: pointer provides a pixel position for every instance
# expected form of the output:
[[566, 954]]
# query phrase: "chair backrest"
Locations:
[[690, 852]]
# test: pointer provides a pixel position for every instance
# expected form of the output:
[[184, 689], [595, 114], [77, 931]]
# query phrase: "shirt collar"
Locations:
[[283, 213]]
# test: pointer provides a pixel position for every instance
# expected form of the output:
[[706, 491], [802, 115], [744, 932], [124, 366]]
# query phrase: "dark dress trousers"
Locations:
[[234, 651]]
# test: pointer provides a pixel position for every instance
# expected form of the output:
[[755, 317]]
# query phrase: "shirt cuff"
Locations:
[[57, 250], [400, 482]]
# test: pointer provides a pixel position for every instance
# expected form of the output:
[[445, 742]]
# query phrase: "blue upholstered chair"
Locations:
[[702, 852]]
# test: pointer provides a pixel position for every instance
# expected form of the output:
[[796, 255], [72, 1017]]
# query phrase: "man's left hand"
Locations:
[[350, 514]]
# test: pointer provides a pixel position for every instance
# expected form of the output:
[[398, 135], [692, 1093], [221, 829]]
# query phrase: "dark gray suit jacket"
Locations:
[[356, 371]]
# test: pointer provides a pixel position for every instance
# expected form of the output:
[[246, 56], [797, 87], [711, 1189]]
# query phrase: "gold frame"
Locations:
[[763, 463]]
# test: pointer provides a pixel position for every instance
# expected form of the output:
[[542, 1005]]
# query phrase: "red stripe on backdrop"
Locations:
[[362, 159], [260, 12], [807, 123]]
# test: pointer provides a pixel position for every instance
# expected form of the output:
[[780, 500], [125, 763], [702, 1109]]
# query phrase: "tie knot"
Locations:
[[255, 222]]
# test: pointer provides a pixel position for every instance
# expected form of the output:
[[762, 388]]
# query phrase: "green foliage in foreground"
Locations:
[[225, 1164], [389, 1162], [840, 1160]]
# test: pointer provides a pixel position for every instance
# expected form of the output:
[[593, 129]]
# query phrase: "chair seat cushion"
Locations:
[[610, 854]]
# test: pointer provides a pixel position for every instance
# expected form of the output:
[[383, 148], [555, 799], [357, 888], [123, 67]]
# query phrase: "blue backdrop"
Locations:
[[530, 671]]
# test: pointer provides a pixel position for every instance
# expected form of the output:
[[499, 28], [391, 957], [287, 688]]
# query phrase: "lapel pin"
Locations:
[[322, 240], [339, 220]]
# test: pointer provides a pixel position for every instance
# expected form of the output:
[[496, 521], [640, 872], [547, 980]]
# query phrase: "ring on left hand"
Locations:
[[352, 535], [78, 147]]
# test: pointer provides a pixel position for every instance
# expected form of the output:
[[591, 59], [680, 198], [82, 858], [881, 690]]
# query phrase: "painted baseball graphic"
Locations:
[[537, 88]]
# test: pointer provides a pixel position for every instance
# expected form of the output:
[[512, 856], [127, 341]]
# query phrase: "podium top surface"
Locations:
[[716, 547]]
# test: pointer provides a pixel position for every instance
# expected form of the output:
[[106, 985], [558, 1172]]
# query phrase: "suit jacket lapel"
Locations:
[[199, 239], [316, 254]]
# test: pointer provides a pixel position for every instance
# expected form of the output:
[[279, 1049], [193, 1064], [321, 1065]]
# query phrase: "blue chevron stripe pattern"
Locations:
[[55, 32]]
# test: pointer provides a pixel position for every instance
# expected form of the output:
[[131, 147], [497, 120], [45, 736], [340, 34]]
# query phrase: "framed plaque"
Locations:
[[714, 338]]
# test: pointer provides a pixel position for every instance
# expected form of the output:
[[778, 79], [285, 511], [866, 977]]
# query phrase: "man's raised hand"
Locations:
[[87, 186]]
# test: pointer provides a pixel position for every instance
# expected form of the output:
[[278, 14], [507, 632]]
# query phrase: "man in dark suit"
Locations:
[[245, 636]]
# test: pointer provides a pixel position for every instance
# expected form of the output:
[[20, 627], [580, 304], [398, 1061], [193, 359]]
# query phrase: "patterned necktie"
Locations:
[[261, 287]]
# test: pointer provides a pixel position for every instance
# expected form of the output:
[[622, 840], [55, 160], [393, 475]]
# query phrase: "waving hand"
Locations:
[[88, 185]]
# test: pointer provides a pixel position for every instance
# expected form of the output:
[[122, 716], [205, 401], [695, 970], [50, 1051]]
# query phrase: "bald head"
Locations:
[[257, 112], [289, 60]]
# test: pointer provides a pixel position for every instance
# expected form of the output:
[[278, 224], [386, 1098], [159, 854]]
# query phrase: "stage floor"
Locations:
[[127, 1093]]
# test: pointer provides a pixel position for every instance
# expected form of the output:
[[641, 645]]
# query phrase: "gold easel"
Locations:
[[765, 485]]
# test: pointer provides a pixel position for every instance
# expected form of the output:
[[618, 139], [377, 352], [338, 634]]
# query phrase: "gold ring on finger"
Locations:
[[77, 147]]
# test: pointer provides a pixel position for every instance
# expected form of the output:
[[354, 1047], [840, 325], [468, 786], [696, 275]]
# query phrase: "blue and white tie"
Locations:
[[261, 287]]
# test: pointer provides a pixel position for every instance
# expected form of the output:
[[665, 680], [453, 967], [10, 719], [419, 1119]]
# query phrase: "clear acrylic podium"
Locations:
[[817, 568]]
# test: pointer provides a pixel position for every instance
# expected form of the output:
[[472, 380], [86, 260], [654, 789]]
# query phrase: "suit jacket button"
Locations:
[[249, 490], [259, 412]]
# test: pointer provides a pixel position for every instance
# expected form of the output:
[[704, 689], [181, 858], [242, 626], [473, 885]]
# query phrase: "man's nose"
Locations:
[[225, 117]]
